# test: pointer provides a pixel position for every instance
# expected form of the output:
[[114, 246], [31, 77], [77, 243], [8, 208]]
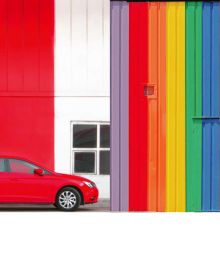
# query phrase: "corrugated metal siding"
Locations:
[[156, 107], [119, 106], [184, 76], [82, 48], [193, 106], [27, 79], [147, 113], [161, 184], [138, 125], [215, 101], [175, 95], [27, 44], [210, 107]]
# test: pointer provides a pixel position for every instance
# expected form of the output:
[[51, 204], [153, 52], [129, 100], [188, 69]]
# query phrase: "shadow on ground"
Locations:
[[102, 206]]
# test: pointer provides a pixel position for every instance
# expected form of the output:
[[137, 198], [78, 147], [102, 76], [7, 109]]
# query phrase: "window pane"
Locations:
[[84, 162], [104, 162], [2, 165], [105, 136], [84, 136], [19, 166]]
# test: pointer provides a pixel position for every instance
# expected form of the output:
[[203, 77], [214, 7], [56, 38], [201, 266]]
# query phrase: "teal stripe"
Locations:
[[193, 105]]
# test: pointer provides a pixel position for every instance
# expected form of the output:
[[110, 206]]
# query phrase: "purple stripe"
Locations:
[[124, 107], [115, 93], [119, 106]]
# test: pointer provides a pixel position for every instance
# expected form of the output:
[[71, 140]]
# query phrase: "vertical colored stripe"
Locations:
[[119, 106], [171, 106], [211, 72], [115, 106], [138, 130], [175, 183], [215, 104], [124, 103], [161, 193], [193, 105], [206, 107], [156, 106], [180, 111], [152, 100]]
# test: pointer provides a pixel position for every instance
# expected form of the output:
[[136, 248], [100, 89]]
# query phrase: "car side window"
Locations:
[[2, 165], [20, 166]]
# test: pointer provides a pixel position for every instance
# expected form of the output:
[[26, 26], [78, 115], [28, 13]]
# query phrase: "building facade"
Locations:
[[55, 85]]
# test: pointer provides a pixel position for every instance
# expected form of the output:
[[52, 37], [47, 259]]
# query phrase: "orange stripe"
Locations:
[[156, 106], [152, 106], [162, 108]]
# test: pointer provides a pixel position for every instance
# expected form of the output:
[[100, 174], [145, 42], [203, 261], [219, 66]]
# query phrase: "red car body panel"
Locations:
[[33, 188]]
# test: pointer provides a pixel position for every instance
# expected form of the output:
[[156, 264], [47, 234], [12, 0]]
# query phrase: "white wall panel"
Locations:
[[62, 46], [95, 47], [79, 47], [82, 31], [106, 60]]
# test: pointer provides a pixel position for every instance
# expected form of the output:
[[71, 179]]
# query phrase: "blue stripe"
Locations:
[[215, 104], [211, 107], [206, 108]]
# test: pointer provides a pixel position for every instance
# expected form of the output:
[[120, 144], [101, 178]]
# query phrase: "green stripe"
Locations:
[[193, 106]]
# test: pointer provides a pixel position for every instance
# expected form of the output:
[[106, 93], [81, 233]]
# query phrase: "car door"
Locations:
[[27, 187]]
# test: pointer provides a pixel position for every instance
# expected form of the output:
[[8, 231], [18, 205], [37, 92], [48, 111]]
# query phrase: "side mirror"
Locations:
[[39, 171]]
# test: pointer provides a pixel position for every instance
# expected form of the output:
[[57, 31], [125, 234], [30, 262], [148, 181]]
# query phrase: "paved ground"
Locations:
[[101, 206]]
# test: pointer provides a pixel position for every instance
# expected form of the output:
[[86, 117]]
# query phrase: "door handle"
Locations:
[[150, 90], [206, 118]]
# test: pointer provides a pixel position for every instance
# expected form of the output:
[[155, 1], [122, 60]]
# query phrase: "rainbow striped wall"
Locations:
[[165, 106]]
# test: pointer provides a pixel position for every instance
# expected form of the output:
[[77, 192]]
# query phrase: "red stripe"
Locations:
[[138, 140], [3, 46], [27, 83]]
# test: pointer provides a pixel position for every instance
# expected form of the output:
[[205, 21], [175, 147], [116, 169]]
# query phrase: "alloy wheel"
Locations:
[[67, 199]]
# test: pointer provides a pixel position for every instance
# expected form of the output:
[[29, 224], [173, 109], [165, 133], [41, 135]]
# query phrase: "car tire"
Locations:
[[68, 199]]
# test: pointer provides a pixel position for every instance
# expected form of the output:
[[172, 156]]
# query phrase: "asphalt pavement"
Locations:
[[102, 206]]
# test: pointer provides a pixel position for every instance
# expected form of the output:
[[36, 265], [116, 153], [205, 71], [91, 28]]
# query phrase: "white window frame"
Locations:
[[87, 150]]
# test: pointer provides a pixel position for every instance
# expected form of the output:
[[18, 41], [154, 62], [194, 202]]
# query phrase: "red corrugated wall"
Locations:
[[138, 110], [27, 79]]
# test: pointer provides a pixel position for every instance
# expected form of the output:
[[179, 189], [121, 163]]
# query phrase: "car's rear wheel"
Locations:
[[68, 199]]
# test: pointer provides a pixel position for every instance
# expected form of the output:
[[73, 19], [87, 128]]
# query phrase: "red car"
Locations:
[[22, 181]]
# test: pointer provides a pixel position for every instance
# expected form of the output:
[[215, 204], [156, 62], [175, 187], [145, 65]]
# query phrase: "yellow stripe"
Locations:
[[171, 105], [175, 145], [180, 148]]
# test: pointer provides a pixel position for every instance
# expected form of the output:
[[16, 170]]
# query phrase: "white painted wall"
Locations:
[[82, 74], [82, 50]]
